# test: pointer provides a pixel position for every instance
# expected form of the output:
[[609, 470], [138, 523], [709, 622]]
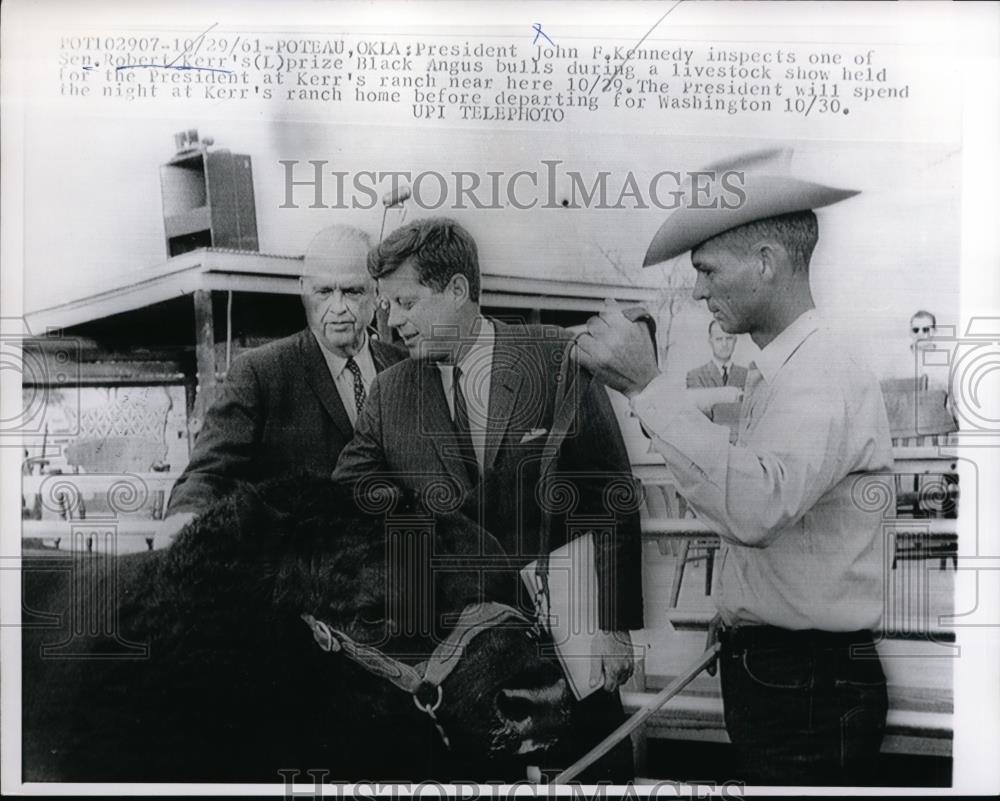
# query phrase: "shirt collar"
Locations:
[[338, 364], [721, 364], [479, 349], [780, 349]]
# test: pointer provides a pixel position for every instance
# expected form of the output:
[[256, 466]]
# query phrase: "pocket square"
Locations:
[[535, 433]]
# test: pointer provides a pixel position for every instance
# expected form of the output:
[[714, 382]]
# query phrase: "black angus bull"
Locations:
[[234, 687]]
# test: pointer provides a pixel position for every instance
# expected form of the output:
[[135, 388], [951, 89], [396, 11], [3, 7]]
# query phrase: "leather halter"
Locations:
[[423, 681]]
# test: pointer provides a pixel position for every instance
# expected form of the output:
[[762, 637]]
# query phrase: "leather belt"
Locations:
[[741, 637]]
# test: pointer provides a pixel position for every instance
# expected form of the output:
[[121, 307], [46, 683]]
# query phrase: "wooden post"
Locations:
[[204, 350]]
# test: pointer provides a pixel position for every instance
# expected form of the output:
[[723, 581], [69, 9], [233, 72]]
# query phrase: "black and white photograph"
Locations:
[[502, 399]]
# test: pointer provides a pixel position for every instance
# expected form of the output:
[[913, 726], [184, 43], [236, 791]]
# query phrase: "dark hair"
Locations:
[[440, 247], [923, 313], [797, 232]]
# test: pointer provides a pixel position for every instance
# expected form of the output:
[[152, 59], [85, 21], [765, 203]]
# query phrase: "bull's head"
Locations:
[[389, 588]]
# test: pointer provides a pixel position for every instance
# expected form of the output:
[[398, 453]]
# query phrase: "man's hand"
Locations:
[[618, 352], [170, 528], [612, 659], [707, 397]]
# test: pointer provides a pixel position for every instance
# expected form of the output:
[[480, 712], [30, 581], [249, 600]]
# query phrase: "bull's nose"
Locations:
[[535, 714]]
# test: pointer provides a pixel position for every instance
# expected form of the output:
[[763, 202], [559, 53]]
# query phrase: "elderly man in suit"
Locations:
[[291, 405], [471, 409], [801, 579], [720, 371]]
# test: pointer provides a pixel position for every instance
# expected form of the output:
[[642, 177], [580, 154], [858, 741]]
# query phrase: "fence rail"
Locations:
[[908, 461], [687, 717]]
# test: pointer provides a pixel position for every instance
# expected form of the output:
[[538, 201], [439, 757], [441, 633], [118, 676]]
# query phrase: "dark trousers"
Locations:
[[803, 707]]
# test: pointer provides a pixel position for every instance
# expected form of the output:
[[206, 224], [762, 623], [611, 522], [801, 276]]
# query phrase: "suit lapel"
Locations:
[[318, 377], [504, 386], [436, 423]]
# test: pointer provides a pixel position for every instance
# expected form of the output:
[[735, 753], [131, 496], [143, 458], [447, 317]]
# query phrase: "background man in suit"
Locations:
[[471, 410], [720, 371], [291, 405]]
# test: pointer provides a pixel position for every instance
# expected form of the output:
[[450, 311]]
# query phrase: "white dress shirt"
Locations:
[[476, 371], [801, 527], [343, 379]]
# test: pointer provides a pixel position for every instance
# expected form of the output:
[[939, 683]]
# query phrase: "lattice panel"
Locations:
[[127, 412]]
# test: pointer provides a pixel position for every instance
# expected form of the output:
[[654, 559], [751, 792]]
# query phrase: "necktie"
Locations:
[[359, 384], [462, 427], [754, 379], [725, 375]]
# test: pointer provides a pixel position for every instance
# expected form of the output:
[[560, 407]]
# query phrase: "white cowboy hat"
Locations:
[[766, 193]]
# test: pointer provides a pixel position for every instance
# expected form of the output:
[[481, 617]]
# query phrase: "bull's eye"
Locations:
[[372, 615]]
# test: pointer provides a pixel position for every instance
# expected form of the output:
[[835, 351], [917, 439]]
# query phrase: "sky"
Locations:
[[94, 209]]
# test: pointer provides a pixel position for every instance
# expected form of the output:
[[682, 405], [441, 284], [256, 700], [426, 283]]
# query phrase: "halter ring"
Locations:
[[429, 708]]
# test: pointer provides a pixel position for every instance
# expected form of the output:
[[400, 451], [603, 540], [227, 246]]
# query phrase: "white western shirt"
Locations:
[[801, 526]]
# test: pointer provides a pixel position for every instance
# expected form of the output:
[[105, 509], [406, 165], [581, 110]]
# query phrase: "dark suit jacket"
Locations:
[[405, 433], [709, 375], [278, 412]]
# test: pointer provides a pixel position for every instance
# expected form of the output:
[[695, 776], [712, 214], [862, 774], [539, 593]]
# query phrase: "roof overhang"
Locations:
[[236, 271]]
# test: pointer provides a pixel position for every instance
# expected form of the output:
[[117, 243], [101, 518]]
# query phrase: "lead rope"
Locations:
[[639, 717], [429, 711]]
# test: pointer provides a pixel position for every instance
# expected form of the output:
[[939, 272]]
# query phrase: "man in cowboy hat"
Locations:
[[799, 583]]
